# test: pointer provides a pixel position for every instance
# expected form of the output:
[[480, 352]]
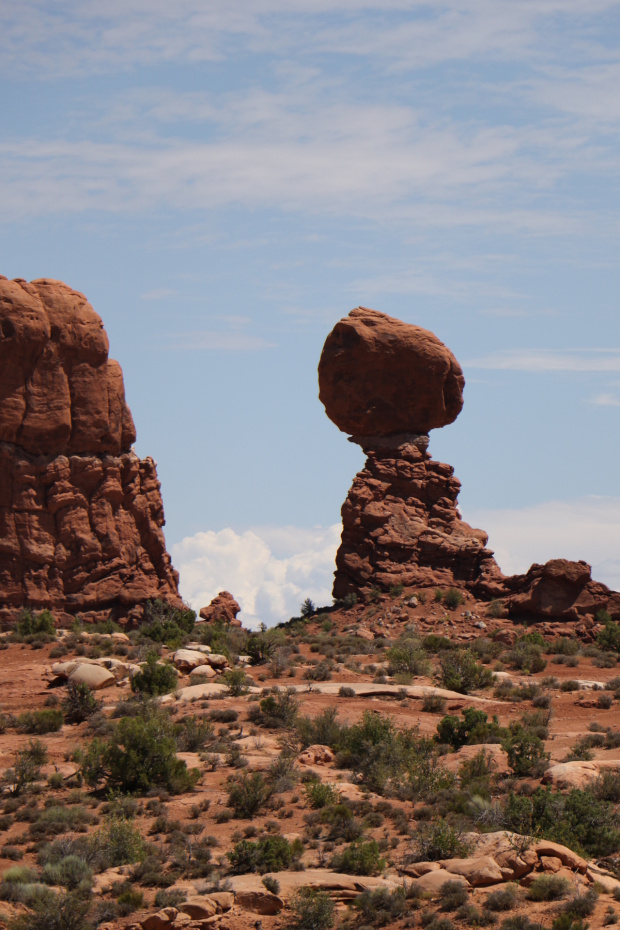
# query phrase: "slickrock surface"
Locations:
[[81, 515]]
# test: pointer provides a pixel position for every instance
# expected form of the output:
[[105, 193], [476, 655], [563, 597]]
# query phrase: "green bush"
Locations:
[[359, 858], [155, 677], [269, 854], [319, 795], [312, 909], [460, 672], [453, 598], [504, 899], [79, 703], [472, 727], [27, 767], [280, 709], [307, 609], [452, 895], [248, 794], [118, 842], [548, 888], [381, 907], [237, 680], [48, 720], [36, 625], [609, 637], [55, 912], [72, 871], [525, 750], [438, 840], [193, 733], [526, 657], [408, 656], [166, 624], [139, 755]]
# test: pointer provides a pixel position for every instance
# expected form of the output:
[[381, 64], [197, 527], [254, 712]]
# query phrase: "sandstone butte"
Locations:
[[388, 383], [81, 515]]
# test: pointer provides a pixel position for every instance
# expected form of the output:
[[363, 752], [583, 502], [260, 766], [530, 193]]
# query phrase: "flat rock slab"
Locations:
[[332, 882], [373, 689]]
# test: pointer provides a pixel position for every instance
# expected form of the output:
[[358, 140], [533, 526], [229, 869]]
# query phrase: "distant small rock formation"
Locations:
[[388, 383], [223, 608], [81, 515]]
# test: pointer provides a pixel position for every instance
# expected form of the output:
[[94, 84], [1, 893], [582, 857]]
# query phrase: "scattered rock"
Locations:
[[433, 882], [94, 676], [259, 902], [482, 870], [316, 755]]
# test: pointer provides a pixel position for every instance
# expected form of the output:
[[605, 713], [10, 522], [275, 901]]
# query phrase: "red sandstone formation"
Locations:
[[561, 590], [401, 525], [388, 383], [224, 608], [379, 376], [81, 515]]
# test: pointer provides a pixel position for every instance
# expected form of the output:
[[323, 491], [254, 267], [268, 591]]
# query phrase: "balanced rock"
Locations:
[[81, 515], [388, 383], [379, 376]]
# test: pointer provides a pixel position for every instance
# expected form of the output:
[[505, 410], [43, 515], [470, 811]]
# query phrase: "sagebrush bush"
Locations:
[[155, 677], [248, 794], [269, 854], [381, 907], [359, 858], [312, 909], [166, 624], [460, 672], [48, 720], [548, 888], [408, 656], [139, 755], [79, 702]]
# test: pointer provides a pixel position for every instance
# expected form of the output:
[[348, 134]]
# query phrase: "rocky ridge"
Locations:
[[81, 515]]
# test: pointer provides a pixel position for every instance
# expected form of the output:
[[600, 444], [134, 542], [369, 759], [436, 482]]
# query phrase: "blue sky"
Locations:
[[224, 180]]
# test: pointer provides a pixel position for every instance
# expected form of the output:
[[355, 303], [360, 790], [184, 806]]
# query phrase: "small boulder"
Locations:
[[479, 871], [202, 671], [187, 659], [260, 902], [162, 920], [94, 676], [199, 907], [316, 755], [432, 882]]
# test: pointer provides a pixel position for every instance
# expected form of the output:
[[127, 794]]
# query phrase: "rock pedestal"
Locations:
[[81, 515], [401, 524]]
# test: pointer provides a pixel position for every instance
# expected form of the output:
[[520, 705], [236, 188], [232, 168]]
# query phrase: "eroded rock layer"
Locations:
[[81, 515], [401, 524]]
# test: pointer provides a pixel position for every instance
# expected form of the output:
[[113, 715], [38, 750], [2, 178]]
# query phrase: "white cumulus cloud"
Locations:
[[270, 570]]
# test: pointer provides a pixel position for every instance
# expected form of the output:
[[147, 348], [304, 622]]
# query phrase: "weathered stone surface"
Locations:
[[198, 907], [223, 607], [401, 525], [433, 882], [379, 376], [81, 515], [479, 871], [560, 590], [259, 902], [94, 676]]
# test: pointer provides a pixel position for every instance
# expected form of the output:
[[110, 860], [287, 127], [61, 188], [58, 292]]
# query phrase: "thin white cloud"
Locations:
[[158, 294], [587, 528], [544, 360], [606, 400], [270, 570]]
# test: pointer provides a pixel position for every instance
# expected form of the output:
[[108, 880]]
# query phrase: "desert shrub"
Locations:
[[155, 677], [609, 637], [55, 912], [433, 704], [471, 727], [117, 842], [408, 656], [381, 907], [193, 733], [223, 715], [261, 646], [30, 624], [79, 702], [320, 672], [57, 819], [578, 820], [359, 858], [346, 692], [248, 794], [48, 720], [279, 709], [269, 854], [271, 884], [165, 898], [520, 922], [581, 905], [319, 795], [504, 899], [325, 729], [312, 909], [460, 671], [452, 598], [527, 657], [237, 681], [72, 871], [452, 895], [607, 786], [438, 840], [495, 609], [525, 750], [139, 755], [27, 767], [548, 888], [166, 624], [604, 700]]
